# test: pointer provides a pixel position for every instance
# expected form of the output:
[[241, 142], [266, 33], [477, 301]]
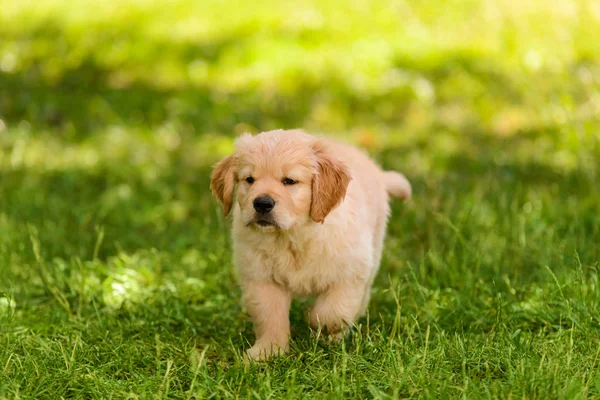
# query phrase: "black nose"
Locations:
[[263, 204]]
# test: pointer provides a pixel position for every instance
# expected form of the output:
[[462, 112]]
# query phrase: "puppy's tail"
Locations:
[[397, 185]]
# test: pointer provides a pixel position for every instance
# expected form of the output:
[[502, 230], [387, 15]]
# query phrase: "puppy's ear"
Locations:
[[222, 182], [329, 184]]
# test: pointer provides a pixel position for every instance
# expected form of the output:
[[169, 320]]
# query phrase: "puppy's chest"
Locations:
[[303, 269]]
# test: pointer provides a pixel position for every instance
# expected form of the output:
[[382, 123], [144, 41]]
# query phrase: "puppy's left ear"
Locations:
[[222, 182], [329, 184]]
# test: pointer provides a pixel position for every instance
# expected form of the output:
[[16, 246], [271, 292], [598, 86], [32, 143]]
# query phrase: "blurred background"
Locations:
[[112, 113]]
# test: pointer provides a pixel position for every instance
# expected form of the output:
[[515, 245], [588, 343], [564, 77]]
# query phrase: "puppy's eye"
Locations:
[[250, 180], [288, 182]]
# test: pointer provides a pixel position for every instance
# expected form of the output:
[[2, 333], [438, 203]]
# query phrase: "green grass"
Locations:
[[116, 278]]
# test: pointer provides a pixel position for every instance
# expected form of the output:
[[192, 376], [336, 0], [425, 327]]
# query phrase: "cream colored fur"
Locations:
[[329, 235]]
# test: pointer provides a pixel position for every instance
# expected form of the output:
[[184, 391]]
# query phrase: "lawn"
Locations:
[[116, 278]]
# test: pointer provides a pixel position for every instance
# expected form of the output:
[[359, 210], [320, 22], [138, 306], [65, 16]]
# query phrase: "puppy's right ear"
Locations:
[[222, 182]]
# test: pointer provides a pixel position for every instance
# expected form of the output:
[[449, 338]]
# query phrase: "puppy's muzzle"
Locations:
[[264, 204]]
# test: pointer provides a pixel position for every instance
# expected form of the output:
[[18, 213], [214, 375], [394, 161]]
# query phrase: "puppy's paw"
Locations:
[[338, 337], [264, 351], [330, 337], [327, 325], [333, 337]]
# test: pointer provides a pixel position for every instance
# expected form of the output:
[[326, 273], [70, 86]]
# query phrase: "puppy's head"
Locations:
[[283, 178]]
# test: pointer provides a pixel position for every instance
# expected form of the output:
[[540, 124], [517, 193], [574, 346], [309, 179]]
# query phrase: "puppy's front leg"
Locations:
[[337, 308], [268, 305]]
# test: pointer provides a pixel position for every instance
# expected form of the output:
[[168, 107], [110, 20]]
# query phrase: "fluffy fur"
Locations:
[[324, 237]]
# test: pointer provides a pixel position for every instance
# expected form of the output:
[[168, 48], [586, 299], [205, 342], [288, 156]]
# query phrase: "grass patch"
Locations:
[[115, 266]]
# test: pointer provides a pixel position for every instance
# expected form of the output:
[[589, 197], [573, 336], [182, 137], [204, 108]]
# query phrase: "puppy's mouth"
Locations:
[[263, 222]]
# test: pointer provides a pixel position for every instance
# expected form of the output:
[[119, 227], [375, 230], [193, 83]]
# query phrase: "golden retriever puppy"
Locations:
[[309, 218]]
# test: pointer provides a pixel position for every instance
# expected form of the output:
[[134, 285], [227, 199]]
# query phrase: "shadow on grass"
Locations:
[[67, 206], [82, 103], [90, 92]]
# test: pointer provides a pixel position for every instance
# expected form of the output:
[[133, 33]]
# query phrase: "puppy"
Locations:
[[309, 218]]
